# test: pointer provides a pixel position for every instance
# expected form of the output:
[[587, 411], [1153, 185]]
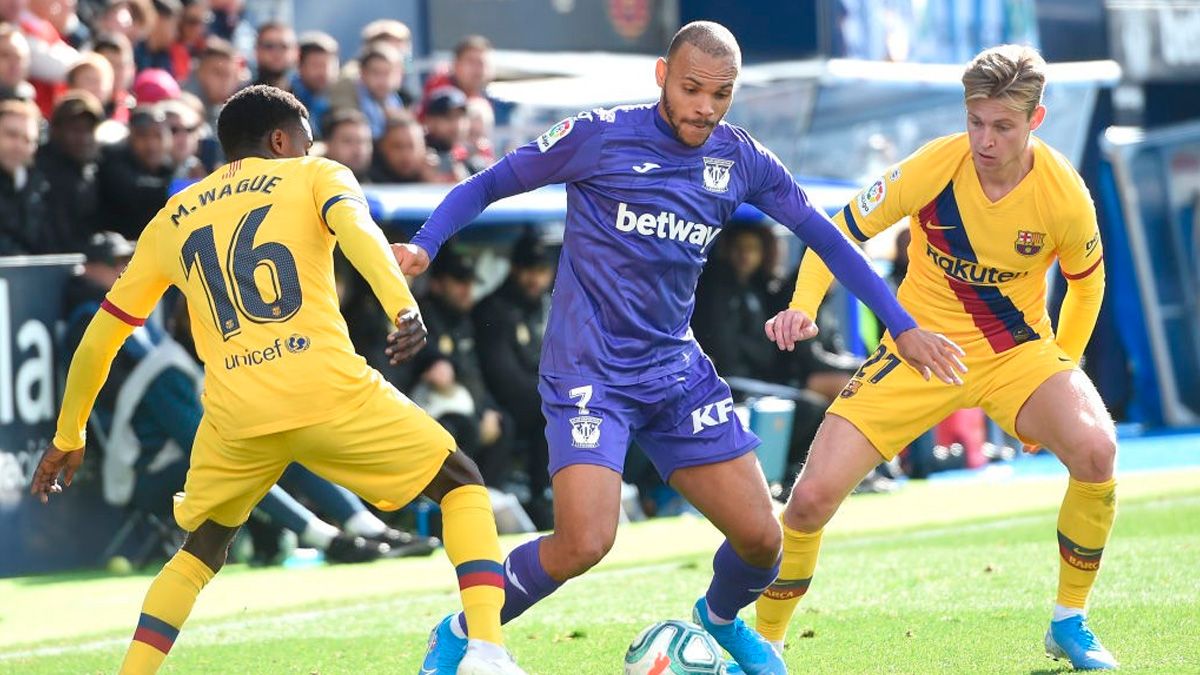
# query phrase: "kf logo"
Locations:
[[702, 418]]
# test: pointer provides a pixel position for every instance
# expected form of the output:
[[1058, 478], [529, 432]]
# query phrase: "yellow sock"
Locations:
[[776, 605], [1084, 521], [166, 607], [469, 528]]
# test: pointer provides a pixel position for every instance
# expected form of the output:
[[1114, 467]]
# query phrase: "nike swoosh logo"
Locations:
[[647, 166], [512, 578], [940, 227], [1064, 360], [426, 671]]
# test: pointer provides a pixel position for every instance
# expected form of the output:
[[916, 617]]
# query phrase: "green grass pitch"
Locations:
[[943, 577]]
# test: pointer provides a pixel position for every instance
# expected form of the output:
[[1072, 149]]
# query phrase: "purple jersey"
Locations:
[[643, 210]]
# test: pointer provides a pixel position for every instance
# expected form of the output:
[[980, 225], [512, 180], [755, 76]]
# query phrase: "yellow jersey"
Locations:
[[977, 268], [250, 246]]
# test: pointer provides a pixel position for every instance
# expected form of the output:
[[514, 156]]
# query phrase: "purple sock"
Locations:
[[525, 582], [736, 583]]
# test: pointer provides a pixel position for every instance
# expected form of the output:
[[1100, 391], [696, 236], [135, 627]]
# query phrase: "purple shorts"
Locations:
[[679, 420]]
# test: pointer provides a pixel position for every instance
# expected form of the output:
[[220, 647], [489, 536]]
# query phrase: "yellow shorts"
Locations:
[[891, 404], [386, 451]]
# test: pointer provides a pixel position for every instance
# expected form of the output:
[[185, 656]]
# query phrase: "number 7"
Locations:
[[584, 394]]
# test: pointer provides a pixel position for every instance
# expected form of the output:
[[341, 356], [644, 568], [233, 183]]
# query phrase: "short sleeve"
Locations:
[[144, 280]]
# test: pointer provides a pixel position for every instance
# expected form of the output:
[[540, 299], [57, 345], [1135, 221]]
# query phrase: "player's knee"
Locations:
[[588, 549], [810, 507], [210, 544], [760, 547], [1095, 458]]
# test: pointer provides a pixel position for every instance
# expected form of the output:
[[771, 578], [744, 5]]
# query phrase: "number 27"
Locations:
[[243, 260], [881, 354]]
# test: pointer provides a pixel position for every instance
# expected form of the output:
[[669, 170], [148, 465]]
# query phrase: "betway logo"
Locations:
[[702, 418], [970, 272], [665, 226]]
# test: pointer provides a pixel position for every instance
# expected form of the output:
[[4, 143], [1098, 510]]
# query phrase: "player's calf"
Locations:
[[172, 594]]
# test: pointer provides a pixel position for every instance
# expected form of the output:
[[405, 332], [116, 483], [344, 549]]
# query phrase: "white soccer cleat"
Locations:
[[485, 658]]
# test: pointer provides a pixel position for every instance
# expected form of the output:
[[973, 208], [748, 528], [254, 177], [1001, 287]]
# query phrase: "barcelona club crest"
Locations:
[[1029, 243], [716, 174]]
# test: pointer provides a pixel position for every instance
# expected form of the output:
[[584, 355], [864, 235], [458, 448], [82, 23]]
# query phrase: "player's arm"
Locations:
[[782, 199], [568, 152], [1081, 258], [345, 214], [125, 307]]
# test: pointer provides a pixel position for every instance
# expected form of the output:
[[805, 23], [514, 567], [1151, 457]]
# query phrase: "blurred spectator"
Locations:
[[155, 85], [513, 318], [317, 67], [185, 126], [229, 23], [446, 133], [481, 122], [349, 142], [93, 74], [216, 78], [193, 26], [24, 191], [734, 300], [134, 176], [400, 154], [61, 14], [381, 70], [116, 48], [49, 54], [449, 383], [161, 49], [130, 18], [471, 71], [68, 161], [389, 33], [14, 64], [275, 55]]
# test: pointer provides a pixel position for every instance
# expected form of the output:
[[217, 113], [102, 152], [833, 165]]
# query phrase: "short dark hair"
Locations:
[[317, 42], [342, 116], [399, 119], [379, 51], [215, 47], [471, 42], [251, 114], [271, 25], [709, 37], [111, 42]]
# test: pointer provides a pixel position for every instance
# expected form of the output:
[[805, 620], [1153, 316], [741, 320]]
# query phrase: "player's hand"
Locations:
[[54, 462], [408, 338], [931, 354], [413, 259], [788, 327]]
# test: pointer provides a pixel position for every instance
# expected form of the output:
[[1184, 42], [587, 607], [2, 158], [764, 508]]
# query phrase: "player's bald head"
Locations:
[[709, 38]]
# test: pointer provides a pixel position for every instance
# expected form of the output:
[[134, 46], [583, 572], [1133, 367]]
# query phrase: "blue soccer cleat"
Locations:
[[1071, 639], [445, 649], [750, 650]]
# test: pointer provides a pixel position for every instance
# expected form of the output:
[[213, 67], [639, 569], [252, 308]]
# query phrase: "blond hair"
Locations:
[[1014, 75]]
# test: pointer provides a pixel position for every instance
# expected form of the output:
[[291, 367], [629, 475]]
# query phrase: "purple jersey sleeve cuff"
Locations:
[[852, 269], [465, 202]]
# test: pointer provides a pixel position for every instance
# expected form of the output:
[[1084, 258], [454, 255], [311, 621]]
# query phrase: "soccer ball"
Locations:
[[674, 648]]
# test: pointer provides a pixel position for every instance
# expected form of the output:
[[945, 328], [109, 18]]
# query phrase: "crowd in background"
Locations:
[[109, 105]]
